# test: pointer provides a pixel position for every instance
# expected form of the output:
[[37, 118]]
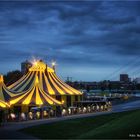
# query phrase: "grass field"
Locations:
[[116, 125]]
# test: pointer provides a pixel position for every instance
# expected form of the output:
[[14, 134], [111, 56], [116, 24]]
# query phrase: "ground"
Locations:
[[73, 126], [115, 125]]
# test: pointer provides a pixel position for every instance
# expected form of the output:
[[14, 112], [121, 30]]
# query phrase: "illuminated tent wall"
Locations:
[[48, 82], [5, 94]]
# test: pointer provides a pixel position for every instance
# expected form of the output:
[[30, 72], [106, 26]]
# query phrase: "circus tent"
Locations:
[[40, 86], [48, 80], [34, 96]]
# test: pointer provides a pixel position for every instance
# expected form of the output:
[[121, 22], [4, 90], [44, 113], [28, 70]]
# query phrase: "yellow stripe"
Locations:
[[58, 89], [14, 101], [47, 99], [66, 89], [51, 100], [50, 90], [38, 99], [1, 93], [27, 82], [8, 92], [74, 90], [28, 98], [13, 94], [41, 83], [2, 104], [19, 81], [18, 85]]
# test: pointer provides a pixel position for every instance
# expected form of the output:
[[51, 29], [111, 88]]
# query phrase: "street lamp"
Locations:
[[53, 65]]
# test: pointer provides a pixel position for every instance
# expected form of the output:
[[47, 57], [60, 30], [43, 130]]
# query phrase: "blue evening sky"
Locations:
[[89, 40]]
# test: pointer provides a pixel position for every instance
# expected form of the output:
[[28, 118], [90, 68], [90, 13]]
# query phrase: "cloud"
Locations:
[[93, 34]]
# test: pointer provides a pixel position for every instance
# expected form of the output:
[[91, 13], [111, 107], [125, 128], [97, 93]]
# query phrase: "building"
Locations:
[[137, 80], [25, 66], [124, 78]]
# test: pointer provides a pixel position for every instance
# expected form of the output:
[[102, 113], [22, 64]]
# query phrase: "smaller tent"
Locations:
[[5, 93]]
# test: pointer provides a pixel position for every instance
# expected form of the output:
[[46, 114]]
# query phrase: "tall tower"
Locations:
[[25, 66]]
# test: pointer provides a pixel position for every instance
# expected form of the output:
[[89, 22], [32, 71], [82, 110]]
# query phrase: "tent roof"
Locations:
[[5, 93], [34, 96], [48, 81]]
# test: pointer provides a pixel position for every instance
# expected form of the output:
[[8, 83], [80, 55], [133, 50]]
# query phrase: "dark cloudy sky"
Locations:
[[89, 40]]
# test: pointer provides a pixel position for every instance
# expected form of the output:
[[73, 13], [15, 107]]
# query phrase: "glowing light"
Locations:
[[13, 116], [64, 112], [38, 66], [45, 114], [79, 110], [31, 115], [23, 117], [36, 80], [63, 101], [53, 63], [97, 107], [38, 115], [102, 107], [84, 110], [93, 107], [105, 106], [69, 111], [35, 63], [89, 109], [51, 112]]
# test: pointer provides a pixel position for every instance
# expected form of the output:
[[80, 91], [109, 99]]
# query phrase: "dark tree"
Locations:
[[12, 77]]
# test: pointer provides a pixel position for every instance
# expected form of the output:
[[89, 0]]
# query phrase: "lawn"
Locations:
[[115, 125]]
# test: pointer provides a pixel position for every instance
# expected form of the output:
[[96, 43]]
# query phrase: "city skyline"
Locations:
[[88, 40]]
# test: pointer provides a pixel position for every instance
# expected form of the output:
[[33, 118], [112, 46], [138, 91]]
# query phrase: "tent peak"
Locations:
[[38, 66]]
